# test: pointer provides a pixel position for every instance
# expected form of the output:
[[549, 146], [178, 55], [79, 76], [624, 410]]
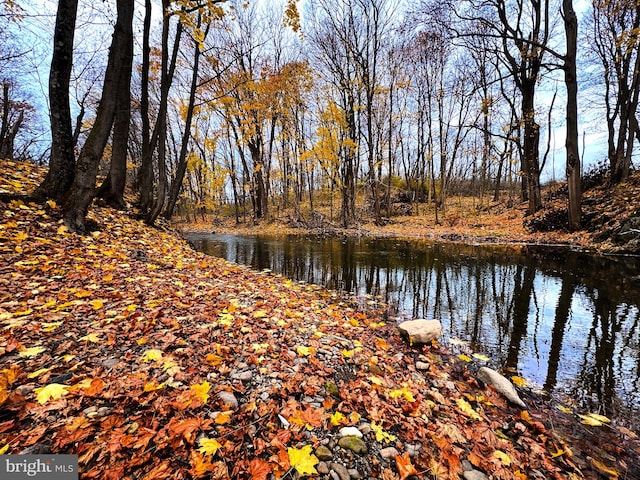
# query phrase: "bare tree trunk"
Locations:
[[62, 162], [571, 81], [182, 158], [159, 137], [76, 203], [145, 175], [112, 189]]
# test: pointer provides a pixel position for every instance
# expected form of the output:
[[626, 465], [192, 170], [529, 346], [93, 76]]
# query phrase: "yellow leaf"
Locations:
[[464, 357], [208, 446], [259, 314], [481, 357], [4, 449], [594, 420], [53, 391], [558, 453], [381, 435], [152, 355], [31, 352], [467, 408], [63, 230], [337, 419], [604, 469], [503, 457], [37, 373], [97, 304], [303, 351], [303, 460], [23, 313], [51, 203], [564, 409], [153, 386], [92, 337], [21, 236], [201, 390], [376, 380], [519, 381], [49, 326], [347, 353], [402, 392]]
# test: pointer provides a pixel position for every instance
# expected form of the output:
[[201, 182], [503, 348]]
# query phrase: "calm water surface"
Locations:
[[567, 322]]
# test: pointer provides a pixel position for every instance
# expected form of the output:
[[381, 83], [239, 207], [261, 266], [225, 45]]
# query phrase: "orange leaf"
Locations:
[[259, 469], [405, 467]]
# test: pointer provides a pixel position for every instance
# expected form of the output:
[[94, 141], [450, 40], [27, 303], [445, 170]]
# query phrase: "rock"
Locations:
[[418, 332], [354, 474], [323, 453], [322, 468], [501, 384], [245, 376], [332, 389], [350, 432], [474, 475], [422, 366], [354, 444], [389, 453], [340, 470], [228, 398]]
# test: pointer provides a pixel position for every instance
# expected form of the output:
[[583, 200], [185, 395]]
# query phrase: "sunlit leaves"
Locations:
[[593, 419], [152, 355], [53, 391], [467, 409], [208, 446], [381, 434], [31, 351], [201, 391], [303, 460]]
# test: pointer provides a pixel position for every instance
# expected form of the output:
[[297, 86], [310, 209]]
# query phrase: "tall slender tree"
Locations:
[[62, 162], [83, 189]]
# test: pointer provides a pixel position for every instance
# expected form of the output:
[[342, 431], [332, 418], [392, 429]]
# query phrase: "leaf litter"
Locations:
[[123, 346]]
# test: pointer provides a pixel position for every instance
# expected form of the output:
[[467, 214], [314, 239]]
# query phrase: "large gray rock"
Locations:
[[418, 332], [501, 384]]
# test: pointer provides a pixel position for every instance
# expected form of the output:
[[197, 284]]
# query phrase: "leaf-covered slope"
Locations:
[[130, 350]]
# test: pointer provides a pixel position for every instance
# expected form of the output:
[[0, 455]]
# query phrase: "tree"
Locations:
[[571, 82], [62, 163], [82, 191], [112, 189], [616, 42], [12, 120], [523, 29]]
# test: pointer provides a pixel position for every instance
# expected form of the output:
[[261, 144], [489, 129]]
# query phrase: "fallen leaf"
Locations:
[[31, 352], [405, 467], [53, 391], [303, 460], [209, 446]]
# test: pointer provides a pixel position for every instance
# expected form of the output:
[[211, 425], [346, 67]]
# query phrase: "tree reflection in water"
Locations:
[[568, 322]]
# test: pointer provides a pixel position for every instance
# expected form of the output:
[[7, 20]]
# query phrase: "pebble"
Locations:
[[245, 376], [354, 444], [350, 432], [323, 453], [354, 474], [389, 453], [228, 398], [322, 468], [340, 470], [422, 366]]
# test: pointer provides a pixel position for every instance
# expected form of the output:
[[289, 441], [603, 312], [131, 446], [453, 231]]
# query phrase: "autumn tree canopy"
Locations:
[[370, 106]]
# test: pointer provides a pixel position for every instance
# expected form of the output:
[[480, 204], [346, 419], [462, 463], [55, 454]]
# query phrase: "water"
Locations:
[[567, 322]]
